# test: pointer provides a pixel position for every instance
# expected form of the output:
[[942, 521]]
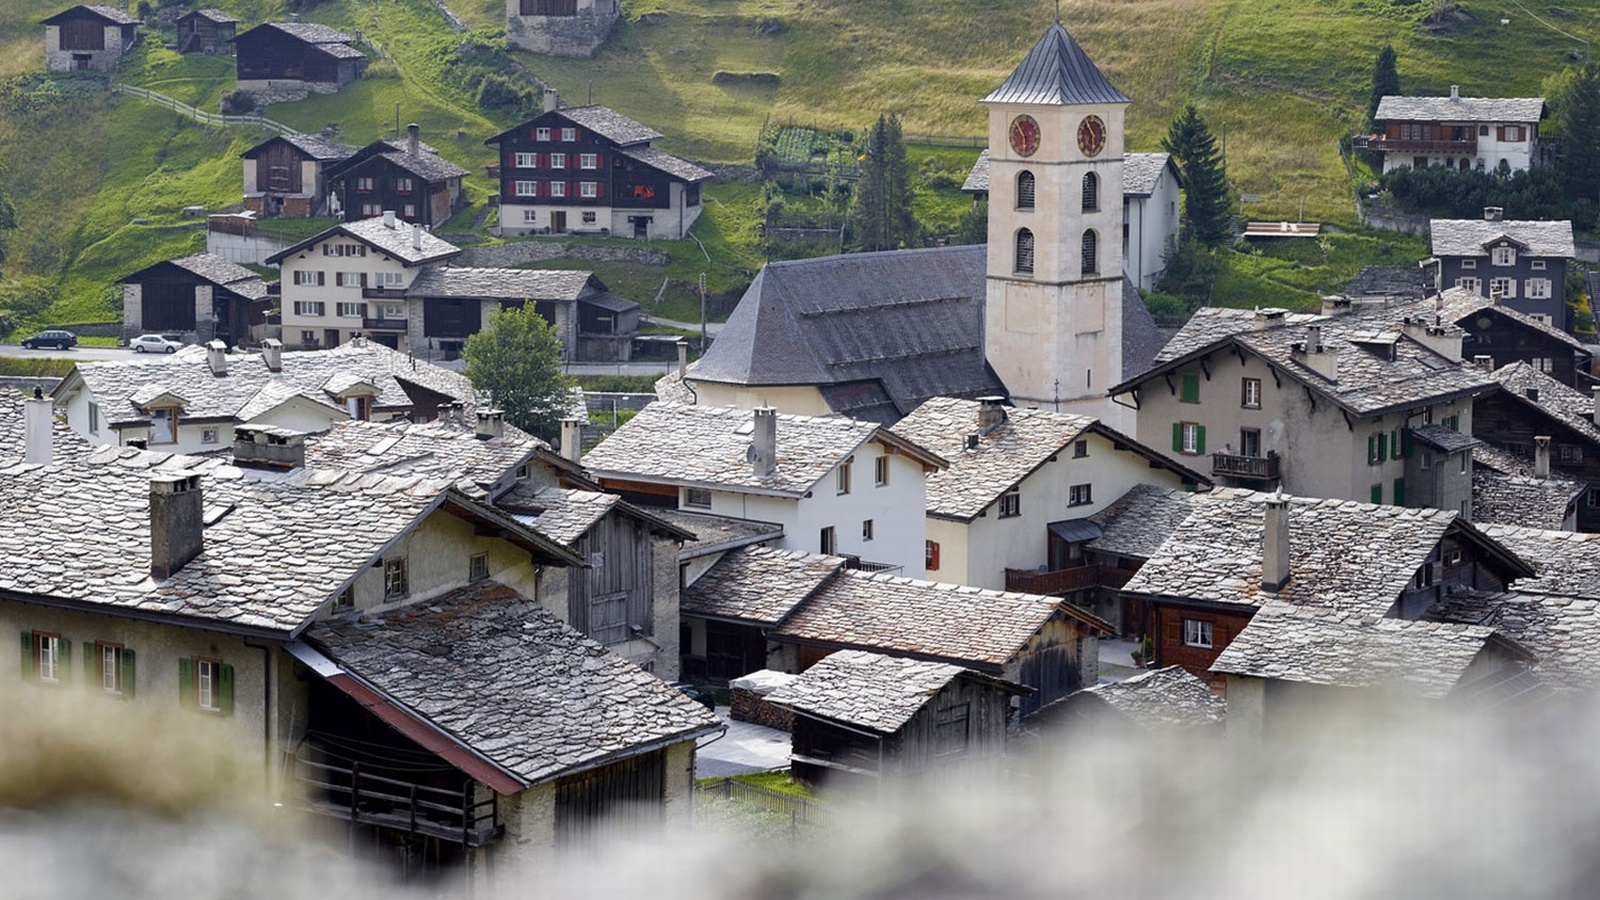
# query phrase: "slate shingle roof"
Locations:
[[1457, 306], [1138, 523], [758, 585], [65, 443], [430, 167], [716, 534], [978, 177], [510, 680], [1318, 645], [313, 145], [500, 284], [609, 123], [1562, 632], [868, 690], [1163, 699], [1141, 172], [1565, 563], [1465, 109], [215, 15], [1469, 237], [1522, 499], [429, 450], [1446, 439], [221, 272], [564, 514], [1056, 71], [666, 162], [706, 445], [396, 241], [110, 14], [1555, 400], [311, 32]]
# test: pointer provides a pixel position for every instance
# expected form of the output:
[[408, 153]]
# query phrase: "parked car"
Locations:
[[56, 338], [154, 343]]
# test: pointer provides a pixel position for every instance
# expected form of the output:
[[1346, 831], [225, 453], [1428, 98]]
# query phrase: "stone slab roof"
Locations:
[[215, 15], [1471, 237], [466, 282], [221, 272], [758, 585], [1004, 457], [1210, 324], [1056, 72], [341, 51], [717, 534], [508, 679], [430, 167], [436, 449], [706, 445], [1390, 281], [1522, 499], [108, 13], [1565, 563], [867, 690], [1285, 642], [1142, 171], [1460, 306], [1163, 699], [250, 389], [1448, 440], [978, 177], [65, 443], [311, 32], [1542, 396], [671, 388], [609, 123], [1500, 460], [1563, 634], [1462, 109], [1139, 522], [565, 515], [313, 145], [666, 162], [397, 241]]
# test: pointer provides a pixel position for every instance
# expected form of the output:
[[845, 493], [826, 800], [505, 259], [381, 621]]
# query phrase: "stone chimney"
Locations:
[[1314, 356], [552, 100], [491, 424], [991, 414], [1273, 317], [388, 218], [1484, 362], [764, 442], [1455, 93], [272, 354], [458, 412], [271, 448], [414, 139], [217, 358], [1275, 544], [416, 237], [1493, 213], [39, 420], [572, 439], [1541, 456], [1442, 339], [683, 359], [177, 522]]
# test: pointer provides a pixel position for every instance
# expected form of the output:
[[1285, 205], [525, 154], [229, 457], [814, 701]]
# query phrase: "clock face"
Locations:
[[1091, 136], [1024, 135]]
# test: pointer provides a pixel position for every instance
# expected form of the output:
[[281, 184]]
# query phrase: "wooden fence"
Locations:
[[200, 115], [799, 810], [943, 140]]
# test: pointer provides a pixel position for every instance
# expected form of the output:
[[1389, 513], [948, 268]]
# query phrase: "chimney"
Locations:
[[1531, 393], [1541, 456], [1442, 339], [1455, 93], [414, 139], [491, 424], [416, 237], [1273, 316], [572, 439], [990, 414], [1493, 213], [1484, 362], [39, 421], [1313, 356], [266, 447], [458, 413], [272, 354], [1275, 546], [217, 357], [552, 101], [683, 359], [764, 443], [294, 18], [388, 218], [177, 522]]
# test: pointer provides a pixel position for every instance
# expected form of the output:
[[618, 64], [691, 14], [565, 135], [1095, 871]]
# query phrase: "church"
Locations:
[[1043, 315]]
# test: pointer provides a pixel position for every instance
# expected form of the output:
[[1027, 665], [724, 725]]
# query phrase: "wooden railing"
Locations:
[[384, 324], [1388, 144], [347, 792], [1264, 468], [1066, 581], [799, 810], [200, 115]]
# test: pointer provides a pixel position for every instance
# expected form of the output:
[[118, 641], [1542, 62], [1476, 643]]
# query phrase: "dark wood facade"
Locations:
[[267, 54], [369, 185], [167, 306], [614, 599], [206, 31], [1504, 340], [1511, 424], [84, 38]]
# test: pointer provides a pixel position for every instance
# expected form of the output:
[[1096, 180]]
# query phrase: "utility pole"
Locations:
[[702, 313]]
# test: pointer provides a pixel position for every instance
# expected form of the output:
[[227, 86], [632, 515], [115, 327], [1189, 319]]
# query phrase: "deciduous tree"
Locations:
[[517, 361]]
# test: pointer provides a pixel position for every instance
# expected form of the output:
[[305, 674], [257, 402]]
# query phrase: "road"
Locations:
[[87, 354]]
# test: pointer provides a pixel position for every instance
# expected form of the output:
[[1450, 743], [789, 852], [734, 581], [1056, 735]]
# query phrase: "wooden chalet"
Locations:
[[286, 175], [206, 31], [195, 298], [88, 38], [406, 176], [297, 56]]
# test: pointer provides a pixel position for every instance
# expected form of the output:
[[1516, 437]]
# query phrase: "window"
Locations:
[[880, 471], [346, 599], [1250, 393], [112, 664], [1024, 251], [94, 418], [351, 310], [526, 188], [349, 279], [1475, 285], [1505, 287], [1080, 495], [1537, 265], [1469, 264], [1377, 448], [827, 544], [308, 337], [1091, 192], [1542, 363], [1188, 438], [164, 426], [1250, 442], [1025, 189], [43, 656], [526, 160], [569, 134], [1503, 256], [1453, 556], [403, 185], [478, 567], [409, 211], [558, 188], [844, 477], [208, 435], [1537, 288], [344, 249], [1511, 133], [309, 307], [395, 583], [866, 529], [930, 549], [590, 189], [1592, 499], [529, 216], [589, 217], [1190, 391], [1570, 453], [588, 161], [698, 498], [364, 185], [205, 684], [371, 209], [1196, 633], [541, 134], [558, 160], [388, 279], [644, 192], [307, 278], [1080, 449], [1011, 502], [1091, 264]]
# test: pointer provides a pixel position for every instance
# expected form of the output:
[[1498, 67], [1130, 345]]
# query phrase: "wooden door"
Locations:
[[558, 222]]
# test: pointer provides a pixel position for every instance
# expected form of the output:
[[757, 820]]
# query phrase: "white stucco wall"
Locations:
[[329, 293], [1151, 222]]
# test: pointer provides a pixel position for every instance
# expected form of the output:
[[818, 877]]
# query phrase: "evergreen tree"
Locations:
[[903, 227], [1385, 82], [1206, 204], [881, 217], [517, 361], [1576, 104]]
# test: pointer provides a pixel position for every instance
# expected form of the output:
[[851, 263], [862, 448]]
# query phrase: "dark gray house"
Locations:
[[1524, 263], [195, 298]]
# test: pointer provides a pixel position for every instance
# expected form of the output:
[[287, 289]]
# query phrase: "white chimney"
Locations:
[[491, 424], [416, 237], [217, 357], [683, 359], [1493, 213], [1455, 93], [1313, 356], [1442, 339], [38, 424], [388, 218], [1484, 362], [764, 442], [572, 439], [177, 522], [1275, 545], [552, 100], [414, 139], [990, 414], [1541, 456], [272, 354]]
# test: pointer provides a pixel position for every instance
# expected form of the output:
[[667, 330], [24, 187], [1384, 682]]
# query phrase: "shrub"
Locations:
[[238, 103]]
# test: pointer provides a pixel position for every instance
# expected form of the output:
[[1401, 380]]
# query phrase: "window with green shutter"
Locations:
[[1177, 437], [1405, 443], [1377, 493], [1383, 446], [1191, 389], [206, 685], [1399, 492], [1372, 449]]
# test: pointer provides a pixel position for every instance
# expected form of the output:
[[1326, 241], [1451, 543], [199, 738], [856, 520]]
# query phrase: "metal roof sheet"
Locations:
[[1056, 71]]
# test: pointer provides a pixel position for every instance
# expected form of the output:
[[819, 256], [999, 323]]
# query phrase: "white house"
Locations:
[[1461, 132], [1150, 185]]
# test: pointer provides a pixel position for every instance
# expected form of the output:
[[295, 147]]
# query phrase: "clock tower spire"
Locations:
[[1054, 310]]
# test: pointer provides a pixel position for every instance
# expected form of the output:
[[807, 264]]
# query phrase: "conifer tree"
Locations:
[[881, 216], [1205, 180], [1576, 104], [1385, 82]]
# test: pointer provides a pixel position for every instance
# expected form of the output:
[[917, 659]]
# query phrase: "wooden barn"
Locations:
[[195, 298], [297, 56], [287, 175], [405, 175], [865, 714], [206, 31], [88, 38]]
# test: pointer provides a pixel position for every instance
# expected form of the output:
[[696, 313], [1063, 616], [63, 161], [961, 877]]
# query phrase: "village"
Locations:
[[905, 511]]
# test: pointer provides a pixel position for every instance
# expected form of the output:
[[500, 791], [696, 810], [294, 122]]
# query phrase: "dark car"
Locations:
[[697, 694], [60, 340]]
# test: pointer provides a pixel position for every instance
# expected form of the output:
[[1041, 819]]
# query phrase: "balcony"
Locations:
[[1067, 581], [383, 324], [1385, 144], [383, 293], [346, 791], [1251, 468]]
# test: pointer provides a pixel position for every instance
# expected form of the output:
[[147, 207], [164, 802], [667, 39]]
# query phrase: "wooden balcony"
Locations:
[[1385, 144], [383, 293], [1251, 468], [1066, 581], [344, 791], [383, 324]]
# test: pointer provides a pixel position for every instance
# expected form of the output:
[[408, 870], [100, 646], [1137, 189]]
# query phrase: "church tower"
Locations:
[[1053, 319]]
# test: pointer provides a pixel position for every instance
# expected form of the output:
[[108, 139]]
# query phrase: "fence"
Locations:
[[200, 115], [799, 810], [943, 140]]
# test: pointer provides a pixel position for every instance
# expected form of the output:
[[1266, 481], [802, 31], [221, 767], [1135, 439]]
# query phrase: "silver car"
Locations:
[[154, 343]]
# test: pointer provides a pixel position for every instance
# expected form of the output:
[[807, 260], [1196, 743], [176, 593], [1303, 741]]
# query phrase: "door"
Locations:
[[330, 338], [558, 222], [641, 226]]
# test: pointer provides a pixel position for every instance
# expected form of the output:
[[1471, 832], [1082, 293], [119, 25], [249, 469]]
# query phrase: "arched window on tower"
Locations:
[[1091, 265], [1025, 251], [1024, 190], [1091, 192]]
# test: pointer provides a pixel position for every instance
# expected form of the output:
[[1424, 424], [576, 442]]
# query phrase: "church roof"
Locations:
[[1057, 71]]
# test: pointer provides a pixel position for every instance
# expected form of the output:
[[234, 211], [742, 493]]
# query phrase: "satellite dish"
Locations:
[[750, 453]]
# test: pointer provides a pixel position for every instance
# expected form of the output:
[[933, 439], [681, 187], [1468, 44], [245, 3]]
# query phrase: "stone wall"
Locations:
[[524, 252]]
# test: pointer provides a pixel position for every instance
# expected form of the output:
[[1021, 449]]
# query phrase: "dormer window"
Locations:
[[1503, 256], [164, 425]]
